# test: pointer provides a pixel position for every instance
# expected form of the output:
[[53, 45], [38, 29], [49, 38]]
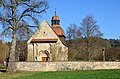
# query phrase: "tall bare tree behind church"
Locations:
[[16, 14], [90, 34]]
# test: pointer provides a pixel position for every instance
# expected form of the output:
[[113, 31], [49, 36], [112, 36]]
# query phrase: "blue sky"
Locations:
[[106, 12]]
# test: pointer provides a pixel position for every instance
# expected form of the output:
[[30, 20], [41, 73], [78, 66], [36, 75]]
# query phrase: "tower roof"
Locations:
[[57, 29], [55, 21], [55, 18], [55, 25]]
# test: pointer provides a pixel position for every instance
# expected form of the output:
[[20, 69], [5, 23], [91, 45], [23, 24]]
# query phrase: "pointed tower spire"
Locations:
[[55, 11]]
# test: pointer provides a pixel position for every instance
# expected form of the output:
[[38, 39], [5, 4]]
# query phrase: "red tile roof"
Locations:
[[58, 30]]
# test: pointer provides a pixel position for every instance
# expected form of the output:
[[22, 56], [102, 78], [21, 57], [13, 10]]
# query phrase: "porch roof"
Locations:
[[44, 40]]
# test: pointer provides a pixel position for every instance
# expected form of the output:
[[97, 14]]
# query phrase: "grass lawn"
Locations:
[[87, 74]]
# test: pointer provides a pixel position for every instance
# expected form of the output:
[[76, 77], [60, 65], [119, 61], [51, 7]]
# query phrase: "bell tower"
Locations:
[[55, 20], [55, 25]]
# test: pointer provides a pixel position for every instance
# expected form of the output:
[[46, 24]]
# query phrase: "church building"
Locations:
[[48, 42]]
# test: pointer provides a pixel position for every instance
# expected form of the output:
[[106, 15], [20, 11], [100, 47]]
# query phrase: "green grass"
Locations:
[[90, 74], [14, 75]]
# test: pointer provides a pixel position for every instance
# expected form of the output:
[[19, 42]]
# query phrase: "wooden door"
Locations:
[[44, 58]]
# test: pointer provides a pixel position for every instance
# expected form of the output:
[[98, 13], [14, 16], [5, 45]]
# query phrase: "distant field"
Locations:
[[87, 74]]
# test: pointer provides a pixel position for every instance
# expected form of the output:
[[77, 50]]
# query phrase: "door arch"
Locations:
[[43, 55]]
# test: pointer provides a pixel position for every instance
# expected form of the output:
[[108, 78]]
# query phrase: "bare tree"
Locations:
[[15, 14], [24, 33], [90, 32], [73, 34]]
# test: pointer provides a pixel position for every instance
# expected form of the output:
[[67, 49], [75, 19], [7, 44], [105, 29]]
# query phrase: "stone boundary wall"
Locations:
[[68, 65]]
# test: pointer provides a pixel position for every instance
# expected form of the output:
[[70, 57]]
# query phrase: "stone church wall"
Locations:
[[58, 52], [68, 65]]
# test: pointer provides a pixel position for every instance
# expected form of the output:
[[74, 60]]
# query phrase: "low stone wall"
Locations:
[[68, 65]]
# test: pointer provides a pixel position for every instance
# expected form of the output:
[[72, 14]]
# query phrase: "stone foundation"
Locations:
[[68, 65]]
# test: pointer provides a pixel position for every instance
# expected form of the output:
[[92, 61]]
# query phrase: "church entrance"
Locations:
[[44, 55]]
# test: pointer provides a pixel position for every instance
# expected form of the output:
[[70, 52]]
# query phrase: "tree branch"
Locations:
[[31, 9], [30, 17], [8, 29], [6, 20], [39, 11]]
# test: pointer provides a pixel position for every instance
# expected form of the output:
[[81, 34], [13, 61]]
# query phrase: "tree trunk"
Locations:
[[103, 53], [88, 50], [89, 56], [11, 63]]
